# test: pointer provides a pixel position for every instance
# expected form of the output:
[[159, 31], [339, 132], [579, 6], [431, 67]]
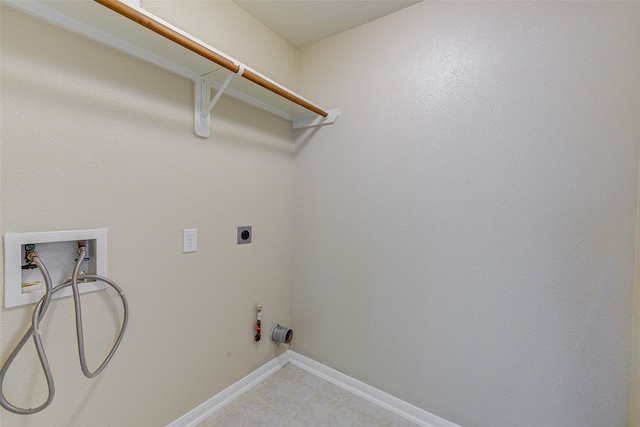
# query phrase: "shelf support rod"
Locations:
[[194, 46]]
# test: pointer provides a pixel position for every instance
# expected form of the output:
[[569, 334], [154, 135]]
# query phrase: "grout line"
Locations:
[[301, 406]]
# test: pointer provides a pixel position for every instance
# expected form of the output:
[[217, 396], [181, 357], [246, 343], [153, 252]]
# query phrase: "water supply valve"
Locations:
[[258, 326]]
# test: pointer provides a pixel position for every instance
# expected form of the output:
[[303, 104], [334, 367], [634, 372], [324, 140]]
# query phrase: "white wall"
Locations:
[[635, 384], [465, 234], [93, 138]]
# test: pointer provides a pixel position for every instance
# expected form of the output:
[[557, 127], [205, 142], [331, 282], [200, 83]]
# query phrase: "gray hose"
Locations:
[[76, 299], [34, 330]]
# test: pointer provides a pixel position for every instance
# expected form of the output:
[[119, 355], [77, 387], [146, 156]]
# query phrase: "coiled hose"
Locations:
[[34, 329]]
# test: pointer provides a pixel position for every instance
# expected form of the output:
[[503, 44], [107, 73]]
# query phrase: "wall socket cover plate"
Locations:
[[189, 240], [244, 234], [48, 245]]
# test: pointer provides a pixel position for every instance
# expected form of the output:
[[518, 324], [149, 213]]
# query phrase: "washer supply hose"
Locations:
[[34, 329]]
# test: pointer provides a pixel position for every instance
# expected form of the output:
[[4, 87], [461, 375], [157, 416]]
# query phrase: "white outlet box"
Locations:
[[189, 240], [58, 250]]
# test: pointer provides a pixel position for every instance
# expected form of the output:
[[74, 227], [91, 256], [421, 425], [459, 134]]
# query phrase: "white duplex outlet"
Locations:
[[189, 240]]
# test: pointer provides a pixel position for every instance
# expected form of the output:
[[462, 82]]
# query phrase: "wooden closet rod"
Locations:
[[176, 37]]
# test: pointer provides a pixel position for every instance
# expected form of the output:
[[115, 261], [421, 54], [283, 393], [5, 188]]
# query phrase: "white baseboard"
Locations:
[[202, 411], [393, 404]]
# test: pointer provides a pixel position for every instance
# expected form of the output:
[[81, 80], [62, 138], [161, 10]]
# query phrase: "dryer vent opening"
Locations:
[[280, 334]]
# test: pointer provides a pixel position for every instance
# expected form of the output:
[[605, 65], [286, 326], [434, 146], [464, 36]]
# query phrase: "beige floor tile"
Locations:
[[294, 397], [306, 377], [284, 394], [323, 411], [345, 397], [251, 413], [212, 419]]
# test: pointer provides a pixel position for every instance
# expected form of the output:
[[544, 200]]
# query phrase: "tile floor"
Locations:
[[294, 397]]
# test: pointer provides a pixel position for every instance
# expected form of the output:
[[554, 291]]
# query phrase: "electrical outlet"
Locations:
[[244, 234], [189, 240]]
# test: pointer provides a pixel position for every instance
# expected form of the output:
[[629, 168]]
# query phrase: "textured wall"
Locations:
[[94, 138], [231, 30], [635, 385], [465, 234]]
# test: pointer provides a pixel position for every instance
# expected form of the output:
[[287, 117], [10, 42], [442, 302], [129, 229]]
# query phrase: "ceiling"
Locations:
[[301, 22]]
